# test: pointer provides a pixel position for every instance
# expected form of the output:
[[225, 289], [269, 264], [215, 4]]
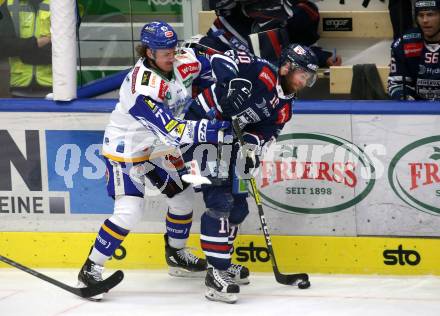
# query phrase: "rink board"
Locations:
[[340, 255], [339, 168], [375, 172]]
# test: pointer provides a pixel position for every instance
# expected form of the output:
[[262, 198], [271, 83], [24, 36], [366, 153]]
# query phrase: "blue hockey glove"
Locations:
[[238, 93], [208, 131]]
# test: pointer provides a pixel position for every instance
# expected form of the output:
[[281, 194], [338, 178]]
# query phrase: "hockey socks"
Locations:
[[178, 227], [109, 237], [233, 231], [214, 241]]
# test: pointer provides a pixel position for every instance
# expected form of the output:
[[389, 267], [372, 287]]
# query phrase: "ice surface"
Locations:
[[146, 292]]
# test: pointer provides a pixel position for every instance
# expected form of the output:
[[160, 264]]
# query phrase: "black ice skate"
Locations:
[[89, 275], [220, 286], [183, 263], [239, 273]]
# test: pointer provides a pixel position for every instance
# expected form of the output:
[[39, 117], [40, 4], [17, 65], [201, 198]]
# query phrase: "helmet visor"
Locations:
[[304, 76]]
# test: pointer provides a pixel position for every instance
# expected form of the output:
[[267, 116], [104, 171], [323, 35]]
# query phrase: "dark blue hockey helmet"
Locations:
[[158, 35], [301, 57], [426, 5]]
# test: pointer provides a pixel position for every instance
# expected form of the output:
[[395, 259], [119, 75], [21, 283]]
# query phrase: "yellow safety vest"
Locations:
[[28, 23]]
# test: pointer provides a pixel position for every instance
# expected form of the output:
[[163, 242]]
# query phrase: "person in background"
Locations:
[[26, 41], [401, 16], [302, 28], [6, 27], [414, 71]]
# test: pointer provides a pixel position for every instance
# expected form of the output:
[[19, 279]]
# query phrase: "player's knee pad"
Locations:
[[128, 211], [181, 203], [240, 210]]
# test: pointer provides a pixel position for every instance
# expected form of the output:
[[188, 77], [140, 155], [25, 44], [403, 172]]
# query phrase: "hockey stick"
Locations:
[[299, 279], [85, 292]]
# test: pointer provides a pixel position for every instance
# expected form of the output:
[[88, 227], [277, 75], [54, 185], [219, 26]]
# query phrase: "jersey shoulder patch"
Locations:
[[151, 84], [268, 77]]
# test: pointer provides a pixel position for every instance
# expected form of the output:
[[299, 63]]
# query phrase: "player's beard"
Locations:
[[287, 89]]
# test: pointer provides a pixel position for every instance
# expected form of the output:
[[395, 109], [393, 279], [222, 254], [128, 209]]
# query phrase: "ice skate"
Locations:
[[183, 263], [220, 286], [239, 273], [90, 274]]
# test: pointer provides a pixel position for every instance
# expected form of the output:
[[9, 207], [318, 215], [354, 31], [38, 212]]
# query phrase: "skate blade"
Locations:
[[95, 298], [216, 296], [244, 281], [182, 273]]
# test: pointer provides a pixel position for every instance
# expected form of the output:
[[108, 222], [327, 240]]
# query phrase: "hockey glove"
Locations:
[[208, 131], [238, 93], [252, 149]]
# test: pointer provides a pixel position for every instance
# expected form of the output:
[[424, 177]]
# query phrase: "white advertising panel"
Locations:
[[340, 175]]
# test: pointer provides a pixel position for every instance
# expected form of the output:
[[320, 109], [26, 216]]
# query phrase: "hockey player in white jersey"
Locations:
[[141, 143]]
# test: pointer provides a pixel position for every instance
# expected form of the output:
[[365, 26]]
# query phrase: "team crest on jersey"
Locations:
[[146, 78]]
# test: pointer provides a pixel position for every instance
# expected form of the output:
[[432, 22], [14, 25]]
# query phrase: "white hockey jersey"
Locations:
[[145, 122]]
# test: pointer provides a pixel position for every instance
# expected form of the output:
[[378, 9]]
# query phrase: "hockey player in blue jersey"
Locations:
[[415, 57], [261, 97], [141, 143]]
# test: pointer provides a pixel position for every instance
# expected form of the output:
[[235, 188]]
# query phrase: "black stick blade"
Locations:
[[102, 287], [299, 279], [86, 292]]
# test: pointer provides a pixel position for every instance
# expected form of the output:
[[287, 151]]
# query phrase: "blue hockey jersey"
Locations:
[[265, 112], [415, 68]]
